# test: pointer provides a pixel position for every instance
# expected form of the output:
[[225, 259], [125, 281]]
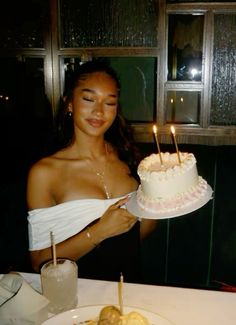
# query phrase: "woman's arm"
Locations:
[[72, 248], [147, 226]]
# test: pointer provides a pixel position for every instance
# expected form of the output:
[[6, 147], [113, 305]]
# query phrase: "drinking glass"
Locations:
[[59, 284]]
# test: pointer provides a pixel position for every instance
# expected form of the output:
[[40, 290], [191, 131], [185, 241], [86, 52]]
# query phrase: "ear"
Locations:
[[69, 108]]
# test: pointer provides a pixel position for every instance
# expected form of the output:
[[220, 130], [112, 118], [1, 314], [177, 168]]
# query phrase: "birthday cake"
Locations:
[[169, 183]]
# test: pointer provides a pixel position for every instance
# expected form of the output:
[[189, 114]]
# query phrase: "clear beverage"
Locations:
[[59, 284]]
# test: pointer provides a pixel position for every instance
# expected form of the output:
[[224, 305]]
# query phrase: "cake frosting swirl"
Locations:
[[169, 186]]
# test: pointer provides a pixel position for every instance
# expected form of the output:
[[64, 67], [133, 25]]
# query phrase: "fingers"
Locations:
[[125, 219], [131, 223], [121, 202]]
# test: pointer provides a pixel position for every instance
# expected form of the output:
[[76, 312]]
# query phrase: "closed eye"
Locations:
[[88, 99]]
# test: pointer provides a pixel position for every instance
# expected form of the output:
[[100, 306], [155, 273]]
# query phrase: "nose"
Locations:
[[98, 109]]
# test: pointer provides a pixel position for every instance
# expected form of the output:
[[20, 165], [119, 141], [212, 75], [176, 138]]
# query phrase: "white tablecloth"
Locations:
[[181, 306]]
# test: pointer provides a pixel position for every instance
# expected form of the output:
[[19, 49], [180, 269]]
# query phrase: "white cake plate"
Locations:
[[133, 207]]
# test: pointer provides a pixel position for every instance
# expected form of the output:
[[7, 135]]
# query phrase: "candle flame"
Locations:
[[155, 129], [157, 142], [172, 128], [175, 142]]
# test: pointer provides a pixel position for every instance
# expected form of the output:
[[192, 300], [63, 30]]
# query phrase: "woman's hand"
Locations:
[[115, 221]]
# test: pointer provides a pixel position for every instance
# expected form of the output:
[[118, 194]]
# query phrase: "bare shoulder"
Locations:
[[43, 167], [50, 164], [41, 182]]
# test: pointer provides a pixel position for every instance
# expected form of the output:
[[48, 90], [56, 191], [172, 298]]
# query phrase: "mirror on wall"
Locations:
[[183, 106], [185, 47]]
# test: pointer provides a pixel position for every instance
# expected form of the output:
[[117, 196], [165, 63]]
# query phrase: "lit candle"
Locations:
[[175, 142], [157, 143]]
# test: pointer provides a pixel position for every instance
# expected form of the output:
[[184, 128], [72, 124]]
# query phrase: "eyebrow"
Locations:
[[92, 91]]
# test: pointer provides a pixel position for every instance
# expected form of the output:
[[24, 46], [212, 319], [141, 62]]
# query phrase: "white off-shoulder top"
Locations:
[[64, 220]]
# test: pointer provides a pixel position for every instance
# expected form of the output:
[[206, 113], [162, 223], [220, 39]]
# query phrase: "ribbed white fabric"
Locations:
[[65, 220]]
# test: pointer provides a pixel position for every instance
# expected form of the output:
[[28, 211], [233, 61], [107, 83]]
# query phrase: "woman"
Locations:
[[79, 192]]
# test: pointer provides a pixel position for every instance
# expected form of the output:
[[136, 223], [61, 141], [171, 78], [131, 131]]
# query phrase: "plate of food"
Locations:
[[107, 315]]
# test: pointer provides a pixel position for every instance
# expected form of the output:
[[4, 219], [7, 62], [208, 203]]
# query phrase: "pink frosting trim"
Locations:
[[180, 201]]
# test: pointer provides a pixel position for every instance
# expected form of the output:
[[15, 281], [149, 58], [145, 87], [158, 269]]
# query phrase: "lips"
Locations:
[[95, 123]]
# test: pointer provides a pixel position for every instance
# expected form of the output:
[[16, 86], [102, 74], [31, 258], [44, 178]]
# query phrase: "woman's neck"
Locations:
[[90, 150]]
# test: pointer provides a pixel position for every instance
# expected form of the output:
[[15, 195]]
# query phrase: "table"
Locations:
[[180, 305]]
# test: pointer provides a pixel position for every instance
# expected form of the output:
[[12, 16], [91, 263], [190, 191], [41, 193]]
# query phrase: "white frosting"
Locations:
[[169, 179], [170, 186]]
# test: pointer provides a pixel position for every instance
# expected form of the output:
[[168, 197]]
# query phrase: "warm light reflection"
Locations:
[[4, 97], [194, 72], [154, 129], [172, 129]]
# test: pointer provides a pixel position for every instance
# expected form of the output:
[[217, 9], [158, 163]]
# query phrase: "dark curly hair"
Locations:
[[120, 134]]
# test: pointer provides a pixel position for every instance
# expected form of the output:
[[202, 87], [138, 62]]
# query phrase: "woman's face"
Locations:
[[94, 104]]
